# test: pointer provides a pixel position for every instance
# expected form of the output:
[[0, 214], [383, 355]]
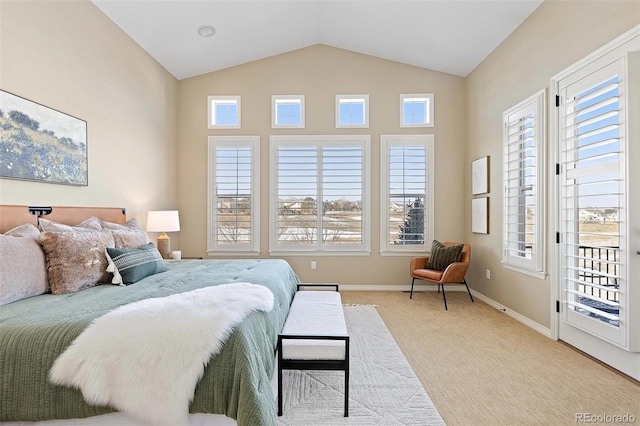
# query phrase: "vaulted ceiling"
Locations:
[[451, 36]]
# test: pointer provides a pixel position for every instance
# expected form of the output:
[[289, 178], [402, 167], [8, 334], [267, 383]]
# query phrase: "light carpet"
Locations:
[[383, 389]]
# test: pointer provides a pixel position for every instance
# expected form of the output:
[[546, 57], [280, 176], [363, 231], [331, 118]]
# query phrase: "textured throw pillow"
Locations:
[[131, 265], [51, 226], [22, 268], [129, 235], [442, 256], [76, 260]]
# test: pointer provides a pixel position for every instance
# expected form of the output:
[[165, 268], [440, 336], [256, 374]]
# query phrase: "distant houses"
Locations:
[[598, 215]]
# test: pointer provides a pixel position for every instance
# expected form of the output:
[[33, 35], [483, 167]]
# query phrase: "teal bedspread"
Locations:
[[236, 382]]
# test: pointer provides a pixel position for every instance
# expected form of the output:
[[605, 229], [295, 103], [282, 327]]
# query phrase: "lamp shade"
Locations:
[[163, 221]]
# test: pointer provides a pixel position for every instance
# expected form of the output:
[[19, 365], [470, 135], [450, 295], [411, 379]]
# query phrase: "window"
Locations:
[[416, 110], [224, 111], [352, 111], [287, 111], [320, 194], [523, 147], [406, 173], [233, 217]]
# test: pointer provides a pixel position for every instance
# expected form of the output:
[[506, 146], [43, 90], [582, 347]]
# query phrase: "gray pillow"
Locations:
[[129, 235], [22, 267], [131, 265], [442, 256], [51, 226]]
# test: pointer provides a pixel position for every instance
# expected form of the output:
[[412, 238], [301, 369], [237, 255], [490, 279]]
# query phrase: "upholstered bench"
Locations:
[[314, 336]]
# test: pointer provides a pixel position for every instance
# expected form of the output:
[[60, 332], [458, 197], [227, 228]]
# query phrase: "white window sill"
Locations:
[[537, 274]]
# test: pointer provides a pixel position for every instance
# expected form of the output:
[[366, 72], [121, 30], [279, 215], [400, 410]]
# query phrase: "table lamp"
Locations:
[[163, 221]]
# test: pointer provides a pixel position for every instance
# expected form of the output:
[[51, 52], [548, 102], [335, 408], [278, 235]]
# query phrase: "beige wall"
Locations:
[[555, 36], [69, 56], [320, 72]]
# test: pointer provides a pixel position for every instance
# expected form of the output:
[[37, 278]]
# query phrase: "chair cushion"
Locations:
[[428, 274], [442, 256]]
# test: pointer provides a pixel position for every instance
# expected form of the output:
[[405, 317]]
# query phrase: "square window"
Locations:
[[224, 111], [287, 111], [352, 111], [416, 110]]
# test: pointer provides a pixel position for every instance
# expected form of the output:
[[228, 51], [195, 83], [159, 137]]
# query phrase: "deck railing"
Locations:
[[603, 262], [601, 259]]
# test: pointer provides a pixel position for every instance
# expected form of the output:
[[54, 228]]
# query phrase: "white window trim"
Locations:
[[274, 111], [213, 100], [230, 249], [365, 99], [537, 264], [387, 249], [429, 113], [362, 250]]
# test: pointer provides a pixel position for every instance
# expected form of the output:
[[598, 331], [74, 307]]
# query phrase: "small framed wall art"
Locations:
[[480, 215], [480, 176]]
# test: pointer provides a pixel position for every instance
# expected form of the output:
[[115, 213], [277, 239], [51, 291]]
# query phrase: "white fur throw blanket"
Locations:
[[145, 358]]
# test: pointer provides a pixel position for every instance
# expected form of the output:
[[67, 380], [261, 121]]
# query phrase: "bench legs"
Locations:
[[279, 377], [346, 380]]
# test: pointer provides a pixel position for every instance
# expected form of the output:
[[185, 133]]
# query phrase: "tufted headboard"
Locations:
[[12, 216]]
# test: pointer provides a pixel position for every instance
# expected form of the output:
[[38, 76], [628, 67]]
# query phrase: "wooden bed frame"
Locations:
[[12, 216]]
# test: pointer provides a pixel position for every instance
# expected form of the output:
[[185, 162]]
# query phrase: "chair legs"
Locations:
[[444, 296], [411, 295], [468, 291]]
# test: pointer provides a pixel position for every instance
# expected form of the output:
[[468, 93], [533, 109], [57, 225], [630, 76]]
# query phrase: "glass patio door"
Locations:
[[593, 212], [597, 204]]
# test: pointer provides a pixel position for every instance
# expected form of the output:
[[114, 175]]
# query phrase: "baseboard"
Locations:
[[398, 287], [545, 331], [513, 314]]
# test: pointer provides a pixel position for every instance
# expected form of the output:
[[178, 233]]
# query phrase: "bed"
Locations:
[[34, 331]]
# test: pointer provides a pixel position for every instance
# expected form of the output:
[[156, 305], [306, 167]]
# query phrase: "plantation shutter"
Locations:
[[342, 189], [297, 188], [233, 194], [407, 193], [320, 187], [523, 240], [592, 194]]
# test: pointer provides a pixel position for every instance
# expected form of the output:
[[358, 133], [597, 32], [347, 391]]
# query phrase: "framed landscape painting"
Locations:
[[41, 144]]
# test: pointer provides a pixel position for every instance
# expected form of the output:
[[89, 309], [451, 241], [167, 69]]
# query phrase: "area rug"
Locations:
[[383, 389]]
